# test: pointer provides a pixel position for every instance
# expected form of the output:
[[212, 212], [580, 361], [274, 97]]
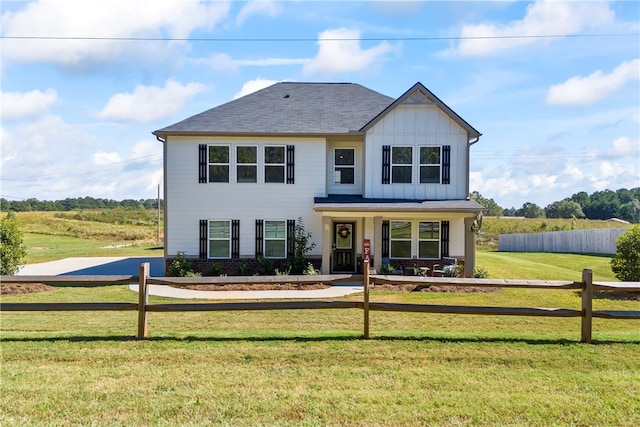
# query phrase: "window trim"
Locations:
[[283, 164], [210, 239], [438, 240], [439, 165], [353, 166], [403, 165], [237, 164], [228, 164], [415, 238], [266, 239]]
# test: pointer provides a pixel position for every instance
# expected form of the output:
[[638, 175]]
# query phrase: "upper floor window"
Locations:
[[247, 163], [345, 166], [401, 165], [274, 162], [239, 163], [218, 163], [429, 165]]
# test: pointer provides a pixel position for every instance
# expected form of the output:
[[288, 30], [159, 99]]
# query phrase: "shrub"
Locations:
[[284, 272], [215, 269], [302, 246], [387, 269], [12, 249], [480, 272], [310, 270], [626, 264], [244, 269], [266, 266], [181, 266]]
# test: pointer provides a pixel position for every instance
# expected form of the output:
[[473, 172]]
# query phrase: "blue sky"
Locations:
[[553, 86]]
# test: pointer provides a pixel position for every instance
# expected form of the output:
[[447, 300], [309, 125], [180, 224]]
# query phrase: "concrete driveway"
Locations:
[[94, 266]]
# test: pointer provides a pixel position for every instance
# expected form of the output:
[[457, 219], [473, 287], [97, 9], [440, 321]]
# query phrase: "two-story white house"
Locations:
[[352, 163]]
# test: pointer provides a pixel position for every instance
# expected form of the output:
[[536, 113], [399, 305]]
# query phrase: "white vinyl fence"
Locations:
[[601, 241]]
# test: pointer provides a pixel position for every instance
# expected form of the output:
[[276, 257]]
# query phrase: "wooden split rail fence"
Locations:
[[586, 286]]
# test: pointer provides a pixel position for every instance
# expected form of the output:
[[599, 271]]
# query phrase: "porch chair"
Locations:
[[448, 266]]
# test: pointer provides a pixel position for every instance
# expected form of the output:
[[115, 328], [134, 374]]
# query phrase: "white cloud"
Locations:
[[544, 17], [81, 22], [224, 62], [148, 103], [596, 86], [340, 52], [254, 86], [103, 158], [17, 105], [259, 7]]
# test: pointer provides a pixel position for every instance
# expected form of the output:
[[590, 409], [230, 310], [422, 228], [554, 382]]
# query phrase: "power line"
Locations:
[[315, 39]]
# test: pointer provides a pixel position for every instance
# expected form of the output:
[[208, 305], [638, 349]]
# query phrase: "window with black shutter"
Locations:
[[291, 237], [385, 239], [203, 238], [386, 164], [290, 164], [202, 164], [444, 238], [259, 238], [446, 164], [235, 238]]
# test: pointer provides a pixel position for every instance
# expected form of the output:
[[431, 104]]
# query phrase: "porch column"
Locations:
[[469, 248], [326, 245], [376, 245]]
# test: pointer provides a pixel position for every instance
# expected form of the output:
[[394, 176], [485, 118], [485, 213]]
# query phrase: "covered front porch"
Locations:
[[405, 233]]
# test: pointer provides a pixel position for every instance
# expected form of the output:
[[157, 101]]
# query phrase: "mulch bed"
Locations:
[[21, 288]]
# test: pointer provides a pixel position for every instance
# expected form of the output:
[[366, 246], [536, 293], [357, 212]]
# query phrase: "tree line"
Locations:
[[75, 203], [622, 204]]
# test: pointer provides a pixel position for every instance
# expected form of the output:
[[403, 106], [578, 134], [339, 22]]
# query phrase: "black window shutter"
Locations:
[[235, 238], [290, 164], [291, 237], [202, 163], [385, 239], [386, 164], [259, 237], [203, 238], [444, 242], [446, 164]]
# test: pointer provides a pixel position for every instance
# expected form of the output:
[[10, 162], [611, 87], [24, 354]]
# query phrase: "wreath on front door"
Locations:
[[344, 231]]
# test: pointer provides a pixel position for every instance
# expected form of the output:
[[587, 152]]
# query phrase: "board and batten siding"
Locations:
[[417, 125], [600, 241], [190, 201]]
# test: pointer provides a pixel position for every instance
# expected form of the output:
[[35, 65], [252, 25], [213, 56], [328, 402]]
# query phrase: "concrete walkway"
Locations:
[[131, 265]]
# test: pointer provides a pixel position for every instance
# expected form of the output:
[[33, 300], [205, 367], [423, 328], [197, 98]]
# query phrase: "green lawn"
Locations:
[[312, 367]]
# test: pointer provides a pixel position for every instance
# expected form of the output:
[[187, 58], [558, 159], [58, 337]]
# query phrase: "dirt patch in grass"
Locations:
[[21, 288]]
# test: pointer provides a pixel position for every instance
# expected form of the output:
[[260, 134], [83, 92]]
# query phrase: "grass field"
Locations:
[[312, 367]]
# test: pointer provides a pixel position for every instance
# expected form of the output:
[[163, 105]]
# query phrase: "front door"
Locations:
[[344, 250]]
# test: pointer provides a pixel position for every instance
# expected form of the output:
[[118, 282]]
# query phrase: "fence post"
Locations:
[[143, 300], [365, 266], [587, 305]]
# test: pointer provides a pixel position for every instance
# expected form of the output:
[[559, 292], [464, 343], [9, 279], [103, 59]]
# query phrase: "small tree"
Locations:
[[302, 246], [626, 264], [12, 249]]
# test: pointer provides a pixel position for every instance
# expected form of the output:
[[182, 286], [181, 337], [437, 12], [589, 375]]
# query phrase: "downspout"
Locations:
[[164, 195], [469, 144]]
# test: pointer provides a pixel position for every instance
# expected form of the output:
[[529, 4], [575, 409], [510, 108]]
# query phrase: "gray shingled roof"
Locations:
[[289, 108]]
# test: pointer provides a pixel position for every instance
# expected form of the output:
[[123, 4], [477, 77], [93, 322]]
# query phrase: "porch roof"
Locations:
[[353, 203]]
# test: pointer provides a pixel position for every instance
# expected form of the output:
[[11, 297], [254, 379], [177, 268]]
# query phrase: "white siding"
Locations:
[[189, 201], [416, 125]]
